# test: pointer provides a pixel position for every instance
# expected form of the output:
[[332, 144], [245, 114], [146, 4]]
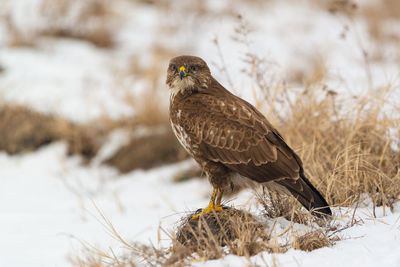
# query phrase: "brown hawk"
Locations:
[[230, 139]]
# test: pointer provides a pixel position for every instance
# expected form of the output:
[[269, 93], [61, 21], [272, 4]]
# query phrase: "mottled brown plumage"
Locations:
[[231, 140]]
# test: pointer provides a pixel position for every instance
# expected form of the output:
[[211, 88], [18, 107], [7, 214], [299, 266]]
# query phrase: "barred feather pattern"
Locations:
[[229, 137]]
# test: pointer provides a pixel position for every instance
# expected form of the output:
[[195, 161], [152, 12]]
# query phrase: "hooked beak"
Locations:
[[182, 72]]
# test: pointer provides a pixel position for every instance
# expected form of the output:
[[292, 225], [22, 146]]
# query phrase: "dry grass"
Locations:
[[312, 240], [24, 130], [347, 7], [148, 151], [150, 109], [347, 155], [315, 72], [18, 37], [237, 230], [93, 21], [376, 14], [346, 145], [213, 236], [159, 145], [277, 205], [346, 149]]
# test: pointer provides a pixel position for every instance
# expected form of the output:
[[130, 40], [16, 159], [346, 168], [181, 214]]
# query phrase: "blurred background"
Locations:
[[83, 100], [94, 66]]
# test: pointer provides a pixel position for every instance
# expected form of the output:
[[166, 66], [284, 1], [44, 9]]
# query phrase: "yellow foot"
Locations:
[[209, 209], [214, 205]]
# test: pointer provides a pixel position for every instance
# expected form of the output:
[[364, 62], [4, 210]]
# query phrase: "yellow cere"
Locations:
[[182, 69]]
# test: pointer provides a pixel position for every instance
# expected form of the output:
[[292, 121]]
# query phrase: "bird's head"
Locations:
[[187, 73]]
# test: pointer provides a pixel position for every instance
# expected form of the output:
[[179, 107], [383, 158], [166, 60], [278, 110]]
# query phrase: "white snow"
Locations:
[[371, 243], [50, 202]]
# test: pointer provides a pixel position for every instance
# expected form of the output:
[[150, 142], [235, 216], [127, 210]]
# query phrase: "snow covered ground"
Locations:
[[48, 205], [51, 203]]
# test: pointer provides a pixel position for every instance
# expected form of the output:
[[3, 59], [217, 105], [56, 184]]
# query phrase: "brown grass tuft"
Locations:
[[312, 240], [347, 7], [92, 20], [377, 14], [148, 151], [212, 236], [24, 130], [346, 145], [235, 229], [217, 234], [346, 152]]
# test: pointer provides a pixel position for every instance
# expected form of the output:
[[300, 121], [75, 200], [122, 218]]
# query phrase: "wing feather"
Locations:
[[229, 130], [222, 129]]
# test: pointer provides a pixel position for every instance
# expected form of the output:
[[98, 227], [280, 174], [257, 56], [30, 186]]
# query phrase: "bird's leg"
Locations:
[[214, 205], [219, 198]]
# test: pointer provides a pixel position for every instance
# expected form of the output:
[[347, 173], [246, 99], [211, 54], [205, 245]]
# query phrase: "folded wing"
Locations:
[[230, 131]]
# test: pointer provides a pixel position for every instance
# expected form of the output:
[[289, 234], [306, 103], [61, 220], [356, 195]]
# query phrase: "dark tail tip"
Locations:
[[319, 207], [307, 195]]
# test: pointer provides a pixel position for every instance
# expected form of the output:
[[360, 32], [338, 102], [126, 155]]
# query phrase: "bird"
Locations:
[[233, 142]]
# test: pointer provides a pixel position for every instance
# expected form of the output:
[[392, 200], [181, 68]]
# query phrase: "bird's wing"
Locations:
[[231, 131]]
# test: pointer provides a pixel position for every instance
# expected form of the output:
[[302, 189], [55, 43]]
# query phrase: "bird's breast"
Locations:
[[183, 137]]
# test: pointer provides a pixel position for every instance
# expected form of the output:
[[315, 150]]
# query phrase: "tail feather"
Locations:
[[307, 195]]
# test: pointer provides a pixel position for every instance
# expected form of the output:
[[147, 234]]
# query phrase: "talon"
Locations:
[[207, 210], [197, 214], [214, 205], [194, 217], [218, 208], [198, 211]]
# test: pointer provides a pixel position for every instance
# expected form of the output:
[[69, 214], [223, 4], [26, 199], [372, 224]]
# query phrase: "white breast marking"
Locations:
[[183, 137]]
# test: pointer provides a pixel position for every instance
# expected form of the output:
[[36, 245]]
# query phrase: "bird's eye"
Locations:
[[174, 68], [193, 68]]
